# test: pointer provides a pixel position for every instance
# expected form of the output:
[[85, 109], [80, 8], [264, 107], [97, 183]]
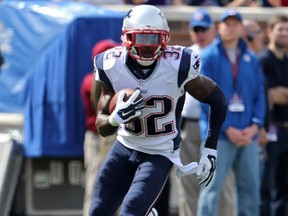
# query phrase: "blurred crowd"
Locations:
[[220, 3], [252, 174]]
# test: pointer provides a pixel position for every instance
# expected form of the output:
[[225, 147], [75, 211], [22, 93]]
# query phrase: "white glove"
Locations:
[[207, 166], [153, 212], [125, 111]]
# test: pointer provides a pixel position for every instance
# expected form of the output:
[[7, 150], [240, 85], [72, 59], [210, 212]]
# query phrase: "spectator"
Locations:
[[222, 3], [237, 71], [255, 39], [202, 31], [275, 66], [240, 3], [254, 36], [148, 139], [152, 2], [101, 2], [203, 2], [155, 2], [277, 3], [95, 147]]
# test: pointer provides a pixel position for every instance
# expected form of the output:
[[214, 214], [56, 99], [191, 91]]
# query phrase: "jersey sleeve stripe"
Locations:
[[178, 117], [184, 66], [102, 76]]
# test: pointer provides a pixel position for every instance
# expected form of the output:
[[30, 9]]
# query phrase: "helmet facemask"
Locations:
[[145, 46]]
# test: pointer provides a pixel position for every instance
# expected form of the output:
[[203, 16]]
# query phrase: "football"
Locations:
[[128, 93]]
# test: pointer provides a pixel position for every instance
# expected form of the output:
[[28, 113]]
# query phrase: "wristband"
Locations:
[[112, 121]]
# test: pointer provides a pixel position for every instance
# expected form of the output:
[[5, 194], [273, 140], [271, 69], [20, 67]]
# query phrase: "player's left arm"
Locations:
[[205, 90]]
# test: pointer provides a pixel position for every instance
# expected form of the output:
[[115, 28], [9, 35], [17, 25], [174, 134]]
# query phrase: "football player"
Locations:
[[138, 164]]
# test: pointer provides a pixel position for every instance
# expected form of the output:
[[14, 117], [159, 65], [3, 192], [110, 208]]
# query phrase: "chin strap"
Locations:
[[145, 63]]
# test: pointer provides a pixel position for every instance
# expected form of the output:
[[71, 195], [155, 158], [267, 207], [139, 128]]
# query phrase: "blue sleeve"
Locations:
[[98, 68], [184, 66]]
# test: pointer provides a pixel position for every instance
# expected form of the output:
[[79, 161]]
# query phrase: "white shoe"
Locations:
[[153, 212]]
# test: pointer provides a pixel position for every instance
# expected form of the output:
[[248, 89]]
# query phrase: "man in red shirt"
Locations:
[[95, 146]]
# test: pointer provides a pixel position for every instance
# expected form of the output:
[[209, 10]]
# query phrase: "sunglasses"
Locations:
[[199, 29]]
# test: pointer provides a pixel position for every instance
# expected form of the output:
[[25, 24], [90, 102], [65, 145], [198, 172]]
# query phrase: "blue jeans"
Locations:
[[245, 164]]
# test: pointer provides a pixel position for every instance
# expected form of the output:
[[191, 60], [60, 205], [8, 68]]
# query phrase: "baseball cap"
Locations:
[[102, 46], [200, 18], [231, 13]]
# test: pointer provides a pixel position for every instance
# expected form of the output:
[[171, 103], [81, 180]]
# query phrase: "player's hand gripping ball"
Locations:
[[128, 92], [125, 106]]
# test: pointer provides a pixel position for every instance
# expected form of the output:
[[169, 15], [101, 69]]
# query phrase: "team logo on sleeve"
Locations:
[[196, 65]]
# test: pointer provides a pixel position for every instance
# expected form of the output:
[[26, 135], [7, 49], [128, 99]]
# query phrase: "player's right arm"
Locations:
[[102, 122], [107, 123], [124, 111], [103, 84]]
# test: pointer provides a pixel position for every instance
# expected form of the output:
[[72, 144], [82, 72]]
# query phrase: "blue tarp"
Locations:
[[50, 52]]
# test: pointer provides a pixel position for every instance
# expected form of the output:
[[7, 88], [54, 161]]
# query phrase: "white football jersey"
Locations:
[[156, 130]]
